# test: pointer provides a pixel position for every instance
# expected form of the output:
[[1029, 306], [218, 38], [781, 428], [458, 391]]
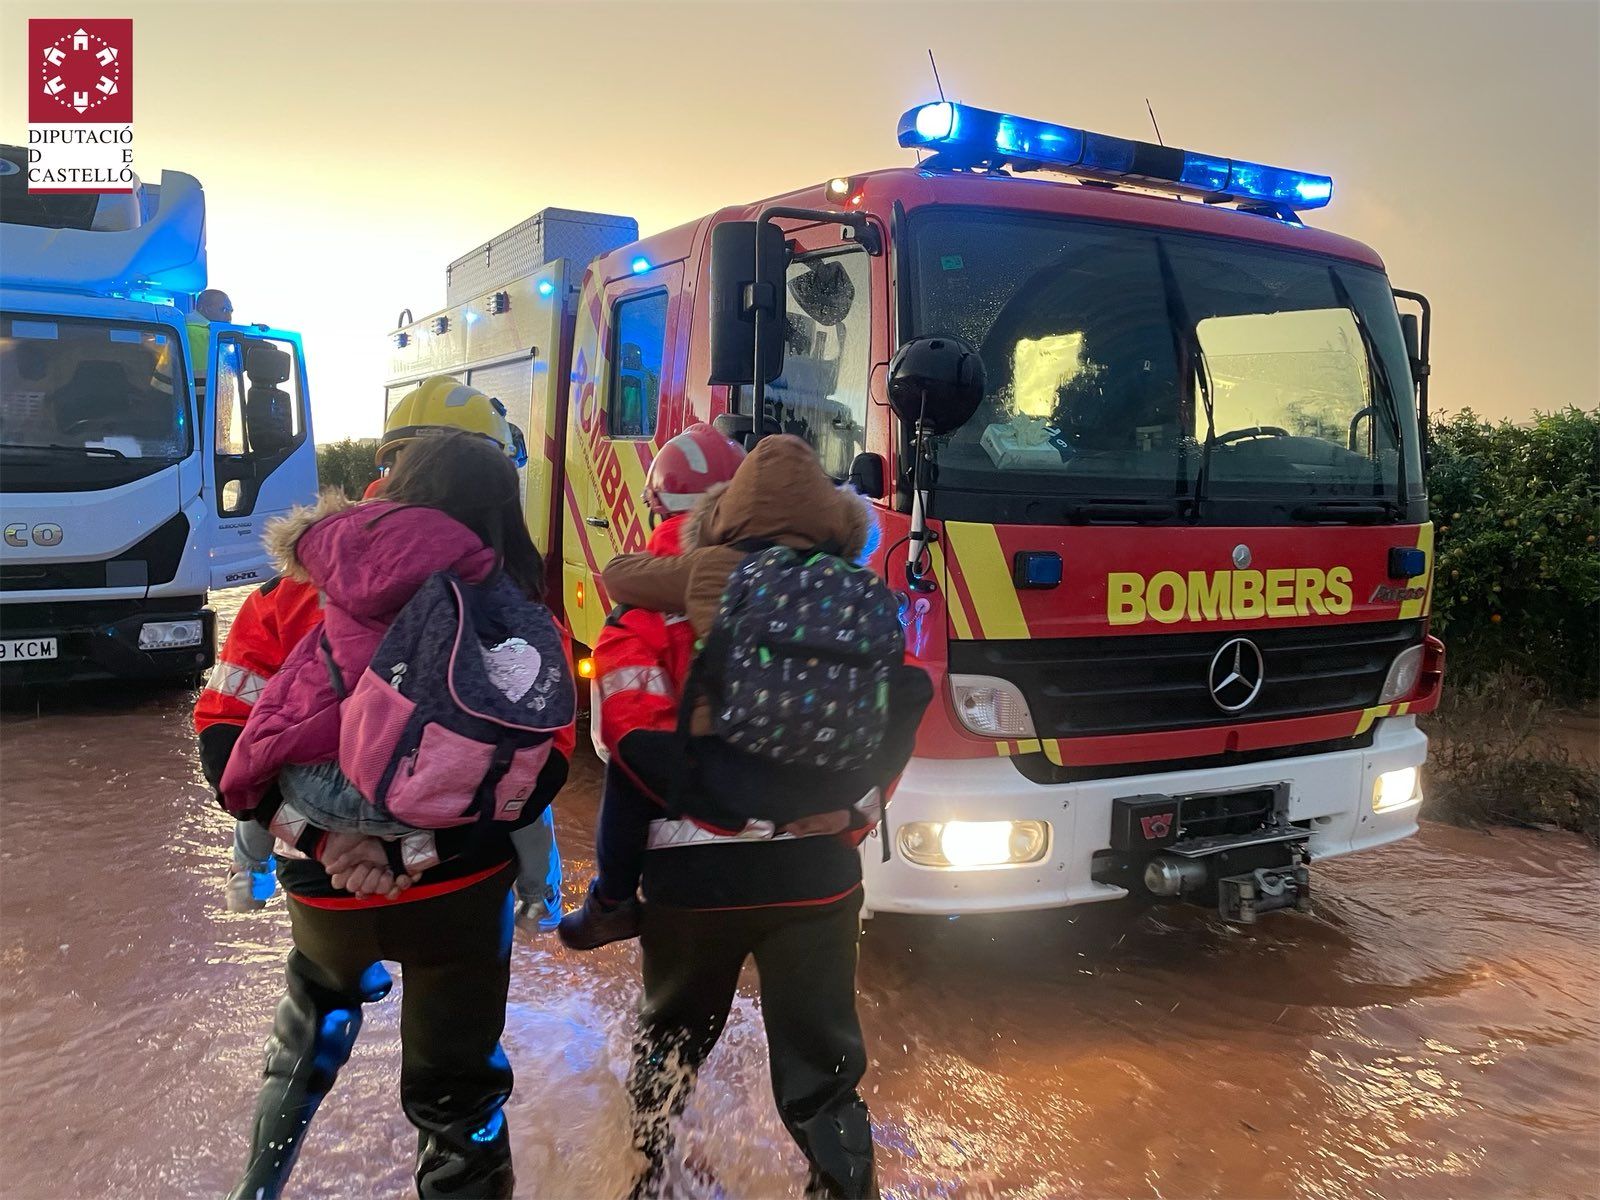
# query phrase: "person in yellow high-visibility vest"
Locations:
[[210, 306]]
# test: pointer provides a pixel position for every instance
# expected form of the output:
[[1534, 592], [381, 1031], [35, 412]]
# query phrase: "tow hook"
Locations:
[[1243, 898]]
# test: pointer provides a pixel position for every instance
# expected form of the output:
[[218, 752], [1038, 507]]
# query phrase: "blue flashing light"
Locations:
[[546, 288], [934, 121], [963, 136], [471, 316], [1108, 155], [640, 265], [1407, 562], [1036, 569], [1204, 171]]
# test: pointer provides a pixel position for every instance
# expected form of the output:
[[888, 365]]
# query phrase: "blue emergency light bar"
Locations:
[[962, 136]]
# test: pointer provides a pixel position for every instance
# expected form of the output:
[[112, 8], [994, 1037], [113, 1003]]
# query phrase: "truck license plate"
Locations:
[[27, 649]]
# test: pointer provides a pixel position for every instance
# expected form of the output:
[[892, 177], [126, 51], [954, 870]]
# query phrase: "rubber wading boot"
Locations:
[[474, 1165], [312, 1035]]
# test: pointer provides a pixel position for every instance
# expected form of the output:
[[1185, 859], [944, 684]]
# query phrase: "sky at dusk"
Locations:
[[350, 151]]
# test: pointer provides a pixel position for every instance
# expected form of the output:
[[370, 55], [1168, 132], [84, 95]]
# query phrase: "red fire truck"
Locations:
[[1168, 562]]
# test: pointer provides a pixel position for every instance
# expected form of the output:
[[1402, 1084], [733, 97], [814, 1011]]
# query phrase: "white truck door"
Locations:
[[263, 459]]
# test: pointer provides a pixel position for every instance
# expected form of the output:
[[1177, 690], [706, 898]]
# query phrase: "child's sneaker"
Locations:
[[595, 922], [543, 915], [249, 891]]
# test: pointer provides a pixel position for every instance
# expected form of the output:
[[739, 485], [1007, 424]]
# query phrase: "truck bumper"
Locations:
[[100, 640], [1330, 794]]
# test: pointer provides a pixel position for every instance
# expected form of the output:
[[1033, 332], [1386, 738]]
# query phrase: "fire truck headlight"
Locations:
[[1403, 674], [992, 707], [966, 845], [1396, 789]]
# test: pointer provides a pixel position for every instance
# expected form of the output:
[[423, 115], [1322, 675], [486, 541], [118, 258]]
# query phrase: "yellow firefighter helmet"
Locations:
[[441, 402]]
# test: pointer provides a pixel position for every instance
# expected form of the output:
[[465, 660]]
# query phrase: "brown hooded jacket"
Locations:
[[780, 494]]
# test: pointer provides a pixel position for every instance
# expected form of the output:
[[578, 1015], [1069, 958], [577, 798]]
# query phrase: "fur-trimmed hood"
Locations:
[[283, 533], [781, 494], [367, 559], [370, 557]]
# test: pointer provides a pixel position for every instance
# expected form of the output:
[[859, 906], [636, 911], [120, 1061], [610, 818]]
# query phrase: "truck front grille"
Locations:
[[1095, 686], [153, 560]]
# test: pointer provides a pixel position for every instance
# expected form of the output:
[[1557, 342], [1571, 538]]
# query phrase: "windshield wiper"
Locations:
[[1382, 386], [58, 448], [1187, 343], [1118, 510], [1348, 511]]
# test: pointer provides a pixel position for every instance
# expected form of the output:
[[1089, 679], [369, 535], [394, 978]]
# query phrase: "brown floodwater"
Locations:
[[1431, 1030]]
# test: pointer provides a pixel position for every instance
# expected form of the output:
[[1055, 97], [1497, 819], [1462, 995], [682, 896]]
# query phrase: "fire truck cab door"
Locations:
[[626, 401], [256, 422]]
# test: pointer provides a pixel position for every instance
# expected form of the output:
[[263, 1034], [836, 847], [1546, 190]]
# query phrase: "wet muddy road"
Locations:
[[1433, 1030]]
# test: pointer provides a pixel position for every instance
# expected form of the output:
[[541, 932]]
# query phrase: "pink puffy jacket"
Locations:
[[367, 560]]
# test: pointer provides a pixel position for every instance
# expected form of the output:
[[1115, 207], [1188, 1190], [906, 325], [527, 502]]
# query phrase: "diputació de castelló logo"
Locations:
[[80, 105]]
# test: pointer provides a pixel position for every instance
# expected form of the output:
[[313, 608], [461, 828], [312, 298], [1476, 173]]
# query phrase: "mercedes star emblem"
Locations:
[[1241, 556], [1237, 674]]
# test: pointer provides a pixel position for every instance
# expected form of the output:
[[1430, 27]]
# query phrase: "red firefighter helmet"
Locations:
[[687, 466]]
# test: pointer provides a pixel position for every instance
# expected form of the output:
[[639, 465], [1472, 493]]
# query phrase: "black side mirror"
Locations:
[[268, 421], [1411, 331], [868, 476], [266, 365], [936, 384], [268, 409], [735, 300]]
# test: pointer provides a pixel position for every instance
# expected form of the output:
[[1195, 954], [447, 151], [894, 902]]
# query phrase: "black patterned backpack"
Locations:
[[798, 662]]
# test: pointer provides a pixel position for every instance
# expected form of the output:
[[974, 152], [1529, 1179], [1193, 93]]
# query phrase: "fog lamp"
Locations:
[[1396, 789], [170, 635], [992, 707], [964, 845]]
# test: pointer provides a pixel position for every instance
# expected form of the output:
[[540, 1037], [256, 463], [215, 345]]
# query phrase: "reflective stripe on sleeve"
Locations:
[[650, 680], [228, 679]]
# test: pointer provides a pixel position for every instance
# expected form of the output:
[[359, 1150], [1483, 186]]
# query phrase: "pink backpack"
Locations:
[[453, 721]]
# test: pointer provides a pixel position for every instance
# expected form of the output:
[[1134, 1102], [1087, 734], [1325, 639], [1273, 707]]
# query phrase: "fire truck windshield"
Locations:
[[1129, 364], [89, 403]]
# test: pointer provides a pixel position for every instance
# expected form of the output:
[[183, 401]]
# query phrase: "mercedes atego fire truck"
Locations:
[[1170, 572], [128, 489]]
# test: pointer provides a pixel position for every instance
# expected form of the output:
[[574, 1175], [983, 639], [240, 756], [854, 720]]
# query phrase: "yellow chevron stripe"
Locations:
[[1368, 716], [1052, 751], [959, 621], [983, 565], [1419, 608]]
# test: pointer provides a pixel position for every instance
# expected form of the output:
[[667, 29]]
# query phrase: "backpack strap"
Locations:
[[334, 675], [499, 764]]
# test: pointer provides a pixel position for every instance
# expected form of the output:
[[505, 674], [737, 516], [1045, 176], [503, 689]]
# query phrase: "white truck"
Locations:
[[129, 489]]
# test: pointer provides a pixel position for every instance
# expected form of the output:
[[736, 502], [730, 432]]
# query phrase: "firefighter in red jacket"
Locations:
[[270, 623], [715, 897]]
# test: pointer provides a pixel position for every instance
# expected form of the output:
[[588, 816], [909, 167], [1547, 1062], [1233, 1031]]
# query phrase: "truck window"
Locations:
[[638, 345], [101, 391], [1104, 345], [228, 392], [1302, 371], [822, 394], [260, 415]]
